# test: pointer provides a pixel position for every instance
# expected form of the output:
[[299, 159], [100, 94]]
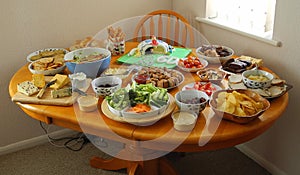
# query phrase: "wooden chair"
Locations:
[[166, 25]]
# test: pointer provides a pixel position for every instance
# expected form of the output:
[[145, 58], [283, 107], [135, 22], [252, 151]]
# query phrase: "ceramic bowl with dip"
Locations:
[[184, 120], [104, 86], [88, 103], [257, 79], [191, 100]]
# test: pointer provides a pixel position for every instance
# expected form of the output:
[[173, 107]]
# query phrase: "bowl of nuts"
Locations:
[[191, 100]]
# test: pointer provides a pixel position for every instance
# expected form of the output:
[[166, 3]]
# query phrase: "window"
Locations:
[[255, 17]]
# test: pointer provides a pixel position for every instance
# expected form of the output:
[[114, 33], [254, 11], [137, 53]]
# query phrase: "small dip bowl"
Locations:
[[257, 79], [87, 103], [184, 120], [105, 86], [191, 100]]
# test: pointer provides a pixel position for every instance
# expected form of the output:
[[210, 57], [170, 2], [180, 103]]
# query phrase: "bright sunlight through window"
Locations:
[[252, 16]]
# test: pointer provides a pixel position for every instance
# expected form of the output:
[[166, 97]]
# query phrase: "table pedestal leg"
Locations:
[[158, 166]]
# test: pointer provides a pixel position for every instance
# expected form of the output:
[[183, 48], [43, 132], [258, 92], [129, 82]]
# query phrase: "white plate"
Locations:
[[203, 62], [191, 85], [232, 73]]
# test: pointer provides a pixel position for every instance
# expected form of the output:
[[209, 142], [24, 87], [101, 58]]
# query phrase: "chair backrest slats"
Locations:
[[167, 25], [168, 29], [160, 27], [152, 27]]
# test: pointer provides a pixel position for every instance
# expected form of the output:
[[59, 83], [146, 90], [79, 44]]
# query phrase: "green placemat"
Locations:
[[150, 60]]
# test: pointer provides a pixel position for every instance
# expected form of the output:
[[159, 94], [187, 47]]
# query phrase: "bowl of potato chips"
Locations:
[[238, 105], [47, 66]]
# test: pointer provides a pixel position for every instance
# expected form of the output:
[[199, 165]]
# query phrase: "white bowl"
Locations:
[[186, 95], [108, 85], [38, 52], [257, 83], [155, 111], [217, 59], [92, 68], [184, 120], [46, 72], [203, 62], [87, 103]]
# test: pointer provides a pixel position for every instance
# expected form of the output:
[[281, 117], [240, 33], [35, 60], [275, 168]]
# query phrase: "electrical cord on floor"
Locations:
[[70, 142]]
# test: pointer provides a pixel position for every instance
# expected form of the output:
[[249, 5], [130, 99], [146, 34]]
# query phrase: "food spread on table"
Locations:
[[147, 92]]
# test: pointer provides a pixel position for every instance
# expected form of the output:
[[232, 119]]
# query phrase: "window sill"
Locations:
[[265, 40]]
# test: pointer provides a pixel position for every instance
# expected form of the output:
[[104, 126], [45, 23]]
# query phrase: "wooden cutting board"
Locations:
[[47, 99]]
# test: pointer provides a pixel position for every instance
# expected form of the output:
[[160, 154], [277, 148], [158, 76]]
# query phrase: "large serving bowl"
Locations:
[[257, 79], [104, 86], [189, 100], [216, 105], [225, 53], [91, 68]]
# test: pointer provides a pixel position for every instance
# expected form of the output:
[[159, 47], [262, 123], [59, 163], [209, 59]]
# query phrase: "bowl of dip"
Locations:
[[184, 120]]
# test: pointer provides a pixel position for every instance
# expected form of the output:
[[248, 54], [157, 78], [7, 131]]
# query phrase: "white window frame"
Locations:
[[265, 34]]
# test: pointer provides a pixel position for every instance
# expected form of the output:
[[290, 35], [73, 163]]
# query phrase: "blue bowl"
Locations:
[[92, 69]]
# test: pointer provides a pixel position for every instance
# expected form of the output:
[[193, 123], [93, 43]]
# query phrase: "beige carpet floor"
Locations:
[[47, 159]]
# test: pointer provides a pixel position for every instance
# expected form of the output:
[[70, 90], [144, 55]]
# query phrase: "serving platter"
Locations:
[[263, 92], [172, 70], [139, 121], [47, 99], [274, 91]]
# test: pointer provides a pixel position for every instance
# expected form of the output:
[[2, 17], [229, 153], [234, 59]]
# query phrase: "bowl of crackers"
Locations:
[[47, 66], [56, 53]]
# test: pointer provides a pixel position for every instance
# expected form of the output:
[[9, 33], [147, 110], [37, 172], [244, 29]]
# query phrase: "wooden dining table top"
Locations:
[[210, 132]]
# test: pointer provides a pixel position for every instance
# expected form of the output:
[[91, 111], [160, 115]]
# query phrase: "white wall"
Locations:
[[29, 25], [280, 145]]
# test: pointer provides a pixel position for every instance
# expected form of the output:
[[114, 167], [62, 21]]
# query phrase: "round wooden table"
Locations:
[[210, 132]]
